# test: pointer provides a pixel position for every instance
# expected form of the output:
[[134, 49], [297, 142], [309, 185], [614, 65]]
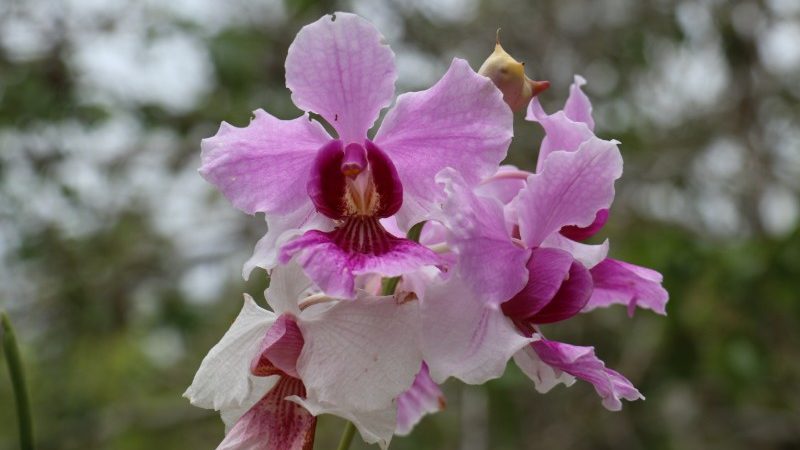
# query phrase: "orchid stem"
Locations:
[[388, 286], [347, 436], [17, 373]]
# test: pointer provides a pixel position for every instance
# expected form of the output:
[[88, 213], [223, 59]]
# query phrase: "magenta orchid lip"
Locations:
[[402, 260]]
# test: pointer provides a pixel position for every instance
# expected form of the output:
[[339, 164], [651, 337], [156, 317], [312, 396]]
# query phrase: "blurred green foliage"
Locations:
[[721, 371]]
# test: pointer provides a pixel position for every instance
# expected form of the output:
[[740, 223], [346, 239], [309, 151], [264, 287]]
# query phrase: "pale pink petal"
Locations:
[[564, 130], [544, 377], [264, 166], [274, 423], [463, 336], [341, 68], [423, 397], [501, 185], [281, 228], [618, 282], [375, 427], [224, 379], [460, 122], [569, 190], [333, 260], [359, 355], [587, 254], [287, 285], [582, 363], [578, 107], [479, 236], [279, 349]]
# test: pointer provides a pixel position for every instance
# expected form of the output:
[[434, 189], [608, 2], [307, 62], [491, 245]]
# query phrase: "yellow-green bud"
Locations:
[[508, 75]]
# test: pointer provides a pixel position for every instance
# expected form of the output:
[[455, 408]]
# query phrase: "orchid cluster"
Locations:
[[401, 260]]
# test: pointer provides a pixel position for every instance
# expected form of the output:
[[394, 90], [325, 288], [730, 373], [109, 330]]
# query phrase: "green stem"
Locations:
[[388, 286], [347, 436], [15, 369]]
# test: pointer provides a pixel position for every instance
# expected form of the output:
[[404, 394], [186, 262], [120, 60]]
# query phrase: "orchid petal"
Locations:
[[587, 254], [359, 355], [341, 68], [544, 377], [578, 107], [274, 423], [569, 190], [501, 187], [279, 349], [460, 122], [478, 234], [618, 282], [287, 285], [463, 337], [582, 363], [423, 397], [224, 379], [358, 247], [567, 129], [375, 427], [264, 166], [548, 268], [280, 230]]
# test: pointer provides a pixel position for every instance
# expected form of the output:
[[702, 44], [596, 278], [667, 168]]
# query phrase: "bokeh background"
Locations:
[[121, 267]]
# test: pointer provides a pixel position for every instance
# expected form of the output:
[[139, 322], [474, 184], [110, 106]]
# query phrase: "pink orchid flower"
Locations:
[[520, 264], [273, 373], [324, 196]]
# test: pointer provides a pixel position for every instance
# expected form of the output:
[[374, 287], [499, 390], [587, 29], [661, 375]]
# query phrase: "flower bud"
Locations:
[[508, 75]]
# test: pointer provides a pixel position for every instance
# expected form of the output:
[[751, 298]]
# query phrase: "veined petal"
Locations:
[[582, 363], [569, 190], [460, 122], [264, 166], [618, 282], [359, 246], [280, 230], [341, 68], [463, 336], [279, 349], [544, 377], [375, 427], [423, 397], [274, 423], [224, 380], [359, 355], [477, 232]]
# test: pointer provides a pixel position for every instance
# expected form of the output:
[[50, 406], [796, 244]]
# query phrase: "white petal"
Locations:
[[463, 336], [359, 355], [223, 380], [375, 427], [286, 286]]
